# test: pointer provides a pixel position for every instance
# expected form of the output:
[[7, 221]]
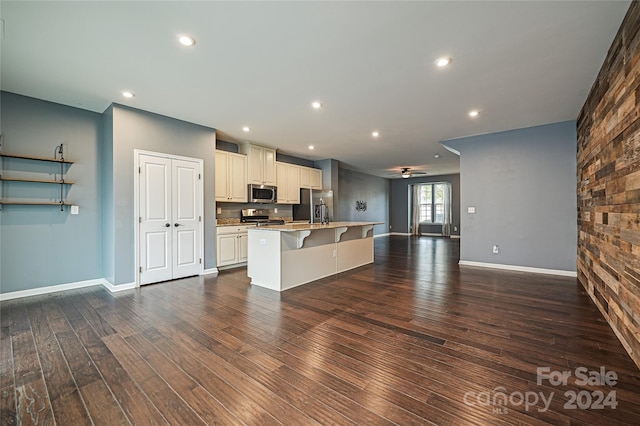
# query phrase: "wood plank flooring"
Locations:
[[411, 339]]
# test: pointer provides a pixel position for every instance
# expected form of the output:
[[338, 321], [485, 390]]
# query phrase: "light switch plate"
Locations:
[[75, 209]]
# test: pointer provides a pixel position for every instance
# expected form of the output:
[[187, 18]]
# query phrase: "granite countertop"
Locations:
[[294, 227]]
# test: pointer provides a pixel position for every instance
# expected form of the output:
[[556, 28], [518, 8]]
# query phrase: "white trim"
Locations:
[[455, 236], [136, 213], [51, 289], [120, 287], [210, 271], [406, 234], [431, 234], [519, 268], [382, 235]]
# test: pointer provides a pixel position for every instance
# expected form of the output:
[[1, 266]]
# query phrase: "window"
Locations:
[[431, 200]]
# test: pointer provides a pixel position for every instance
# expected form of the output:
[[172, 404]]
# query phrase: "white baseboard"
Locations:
[[408, 234], [456, 237], [80, 284], [382, 235], [120, 287], [50, 289], [519, 268]]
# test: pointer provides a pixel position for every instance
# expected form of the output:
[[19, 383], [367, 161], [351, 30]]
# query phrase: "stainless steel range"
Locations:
[[258, 216]]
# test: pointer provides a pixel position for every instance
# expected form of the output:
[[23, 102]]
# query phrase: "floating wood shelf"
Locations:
[[33, 203], [28, 157], [61, 161], [38, 181]]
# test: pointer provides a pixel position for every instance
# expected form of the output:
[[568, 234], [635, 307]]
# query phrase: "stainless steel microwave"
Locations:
[[263, 194]]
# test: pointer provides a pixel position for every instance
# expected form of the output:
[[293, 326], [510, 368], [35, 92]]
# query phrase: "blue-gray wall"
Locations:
[[284, 158], [106, 188], [523, 186], [136, 129], [400, 210], [42, 246], [331, 181], [356, 186]]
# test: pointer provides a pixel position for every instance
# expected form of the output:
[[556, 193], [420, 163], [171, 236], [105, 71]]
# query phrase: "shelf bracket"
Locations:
[[365, 230], [339, 232], [301, 237]]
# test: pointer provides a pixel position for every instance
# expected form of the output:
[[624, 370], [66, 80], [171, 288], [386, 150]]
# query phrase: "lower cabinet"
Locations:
[[231, 245]]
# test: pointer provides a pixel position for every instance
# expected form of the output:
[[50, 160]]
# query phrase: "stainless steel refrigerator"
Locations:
[[309, 200]]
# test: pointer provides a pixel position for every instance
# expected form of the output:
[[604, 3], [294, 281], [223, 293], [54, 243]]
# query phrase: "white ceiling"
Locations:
[[261, 64]]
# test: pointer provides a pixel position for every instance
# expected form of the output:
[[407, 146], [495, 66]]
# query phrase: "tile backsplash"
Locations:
[[231, 211]]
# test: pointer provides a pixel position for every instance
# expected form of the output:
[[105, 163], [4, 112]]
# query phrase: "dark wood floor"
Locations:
[[412, 339]]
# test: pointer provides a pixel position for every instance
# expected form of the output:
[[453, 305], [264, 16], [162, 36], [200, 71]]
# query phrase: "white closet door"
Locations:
[[186, 253], [170, 209], [156, 225]]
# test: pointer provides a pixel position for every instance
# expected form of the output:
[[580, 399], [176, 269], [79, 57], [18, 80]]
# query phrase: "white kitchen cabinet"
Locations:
[[310, 178], [231, 245], [305, 177], [261, 164], [231, 177], [315, 179], [288, 183]]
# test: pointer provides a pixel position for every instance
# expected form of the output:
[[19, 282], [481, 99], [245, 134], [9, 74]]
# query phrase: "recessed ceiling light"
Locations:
[[128, 94], [473, 113], [375, 134], [316, 104], [443, 62], [186, 40], [312, 147], [436, 156], [246, 129]]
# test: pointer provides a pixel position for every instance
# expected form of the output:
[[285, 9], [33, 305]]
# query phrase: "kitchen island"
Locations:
[[285, 256]]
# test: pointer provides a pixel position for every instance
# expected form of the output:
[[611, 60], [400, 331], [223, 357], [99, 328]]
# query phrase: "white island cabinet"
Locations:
[[285, 256]]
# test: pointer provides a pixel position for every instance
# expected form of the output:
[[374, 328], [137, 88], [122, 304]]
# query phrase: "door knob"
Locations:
[[167, 225], [177, 224]]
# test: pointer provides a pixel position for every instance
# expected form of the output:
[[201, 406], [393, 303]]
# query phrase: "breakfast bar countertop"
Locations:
[[293, 227]]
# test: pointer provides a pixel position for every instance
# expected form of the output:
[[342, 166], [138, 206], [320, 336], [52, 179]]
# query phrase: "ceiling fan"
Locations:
[[407, 172]]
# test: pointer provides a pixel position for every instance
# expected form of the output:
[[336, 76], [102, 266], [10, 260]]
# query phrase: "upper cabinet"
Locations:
[[288, 182], [310, 178], [261, 164], [316, 178], [231, 177]]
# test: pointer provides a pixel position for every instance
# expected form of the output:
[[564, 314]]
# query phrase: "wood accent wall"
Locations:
[[608, 161]]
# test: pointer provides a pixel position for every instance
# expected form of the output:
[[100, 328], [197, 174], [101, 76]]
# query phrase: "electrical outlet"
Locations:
[[471, 210], [75, 209], [219, 210], [496, 249], [275, 210], [455, 228]]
